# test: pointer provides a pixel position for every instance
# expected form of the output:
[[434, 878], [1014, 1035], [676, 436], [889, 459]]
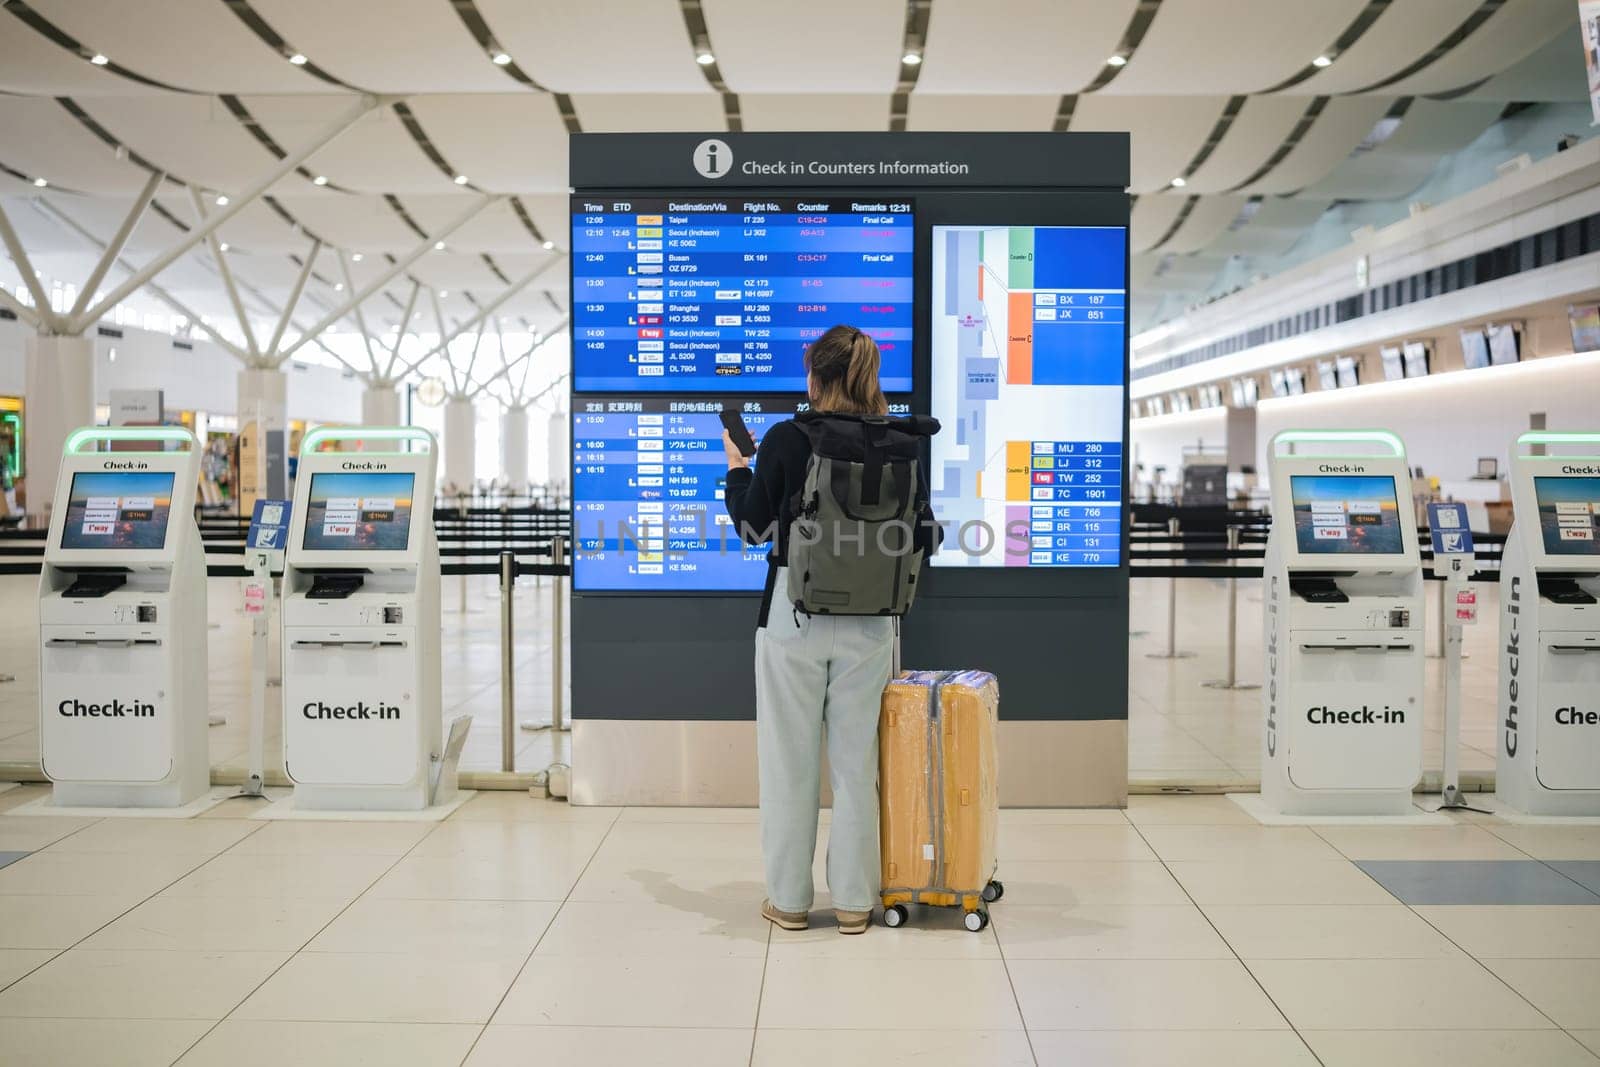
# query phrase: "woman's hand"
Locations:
[[735, 457]]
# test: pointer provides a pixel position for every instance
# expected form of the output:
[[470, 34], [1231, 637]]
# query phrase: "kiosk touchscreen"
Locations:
[[1344, 614], [122, 624], [1549, 723], [361, 674]]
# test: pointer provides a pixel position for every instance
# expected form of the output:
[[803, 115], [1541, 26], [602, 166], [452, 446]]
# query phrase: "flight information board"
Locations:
[[708, 294], [649, 476], [1029, 331]]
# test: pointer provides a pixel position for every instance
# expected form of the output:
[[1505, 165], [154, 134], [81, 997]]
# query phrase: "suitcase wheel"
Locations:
[[993, 891], [895, 915], [976, 920]]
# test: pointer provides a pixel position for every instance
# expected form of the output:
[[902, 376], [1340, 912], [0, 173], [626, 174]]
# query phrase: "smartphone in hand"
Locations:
[[733, 422]]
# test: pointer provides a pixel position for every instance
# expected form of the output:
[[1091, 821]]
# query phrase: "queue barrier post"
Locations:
[[1172, 652], [1232, 680], [557, 723], [508, 680]]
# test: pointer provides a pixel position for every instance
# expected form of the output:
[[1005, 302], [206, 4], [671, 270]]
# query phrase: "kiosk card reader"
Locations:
[[122, 625], [1549, 724], [1342, 731], [361, 627]]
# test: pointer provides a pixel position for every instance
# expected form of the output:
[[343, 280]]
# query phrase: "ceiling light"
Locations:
[[222, 200], [338, 287], [911, 59], [704, 58], [460, 179], [321, 179], [98, 60], [298, 60], [40, 182], [223, 246], [1118, 60], [1179, 183], [443, 293], [438, 246], [1322, 61], [355, 257], [548, 245], [501, 59], [111, 356]]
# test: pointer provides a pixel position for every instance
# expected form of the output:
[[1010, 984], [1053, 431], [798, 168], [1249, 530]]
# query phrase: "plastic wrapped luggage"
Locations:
[[938, 774]]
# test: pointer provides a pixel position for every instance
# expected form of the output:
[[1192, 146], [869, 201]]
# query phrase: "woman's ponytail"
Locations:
[[843, 364]]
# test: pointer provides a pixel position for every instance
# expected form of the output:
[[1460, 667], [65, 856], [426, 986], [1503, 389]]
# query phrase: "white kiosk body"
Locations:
[[1548, 761], [362, 690], [1342, 703], [122, 625]]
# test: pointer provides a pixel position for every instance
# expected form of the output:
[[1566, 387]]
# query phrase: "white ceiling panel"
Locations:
[[763, 112], [777, 46], [39, 138], [31, 63], [597, 46], [1274, 229], [1257, 131], [397, 47], [495, 230], [1553, 73], [1515, 31], [1020, 46], [196, 44], [1429, 129], [192, 138], [257, 228], [1166, 133], [1333, 135], [101, 216], [934, 111], [456, 271], [41, 235], [644, 113], [1153, 215], [1403, 33], [1209, 220], [376, 155], [1201, 46], [506, 142], [365, 224]]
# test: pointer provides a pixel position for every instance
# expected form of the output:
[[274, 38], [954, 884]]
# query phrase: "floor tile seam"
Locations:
[[554, 915], [761, 995], [1486, 968], [1016, 998], [315, 934], [1237, 958], [1552, 865]]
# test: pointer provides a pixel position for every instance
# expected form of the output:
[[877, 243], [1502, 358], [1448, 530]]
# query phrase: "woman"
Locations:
[[813, 670]]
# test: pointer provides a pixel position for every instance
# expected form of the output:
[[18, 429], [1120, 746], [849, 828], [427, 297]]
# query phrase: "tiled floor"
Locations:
[[1180, 732], [524, 930]]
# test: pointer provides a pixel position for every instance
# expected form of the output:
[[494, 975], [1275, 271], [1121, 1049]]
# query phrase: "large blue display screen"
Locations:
[[701, 294]]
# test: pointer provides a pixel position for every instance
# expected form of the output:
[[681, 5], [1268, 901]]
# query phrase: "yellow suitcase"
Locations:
[[938, 775]]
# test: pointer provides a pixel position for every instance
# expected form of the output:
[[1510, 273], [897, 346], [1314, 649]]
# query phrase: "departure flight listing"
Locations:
[[716, 294], [649, 481]]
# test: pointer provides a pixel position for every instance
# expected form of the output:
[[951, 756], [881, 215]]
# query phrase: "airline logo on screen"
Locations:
[[712, 158]]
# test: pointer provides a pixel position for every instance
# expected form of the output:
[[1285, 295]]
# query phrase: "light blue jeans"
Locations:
[[811, 671]]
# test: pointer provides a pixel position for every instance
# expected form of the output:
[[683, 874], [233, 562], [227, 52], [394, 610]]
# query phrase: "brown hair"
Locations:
[[843, 368]]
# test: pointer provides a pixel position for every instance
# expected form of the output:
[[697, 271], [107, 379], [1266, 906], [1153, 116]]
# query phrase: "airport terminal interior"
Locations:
[[383, 679]]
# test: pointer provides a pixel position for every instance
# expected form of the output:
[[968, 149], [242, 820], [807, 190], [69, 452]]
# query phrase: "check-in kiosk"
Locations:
[[122, 624], [1342, 703], [1549, 722], [361, 628]]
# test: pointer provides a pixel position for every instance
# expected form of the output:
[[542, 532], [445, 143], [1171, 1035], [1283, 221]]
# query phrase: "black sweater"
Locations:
[[761, 501]]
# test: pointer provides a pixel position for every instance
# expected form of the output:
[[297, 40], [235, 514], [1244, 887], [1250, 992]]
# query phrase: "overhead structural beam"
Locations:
[[22, 311], [483, 313], [294, 299], [217, 257], [84, 320], [400, 334], [115, 245], [44, 314], [361, 319], [161, 294], [395, 270]]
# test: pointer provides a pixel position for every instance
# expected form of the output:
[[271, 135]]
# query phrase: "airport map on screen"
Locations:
[[1569, 515], [1346, 514], [709, 294], [358, 512], [1029, 333], [648, 478], [118, 510]]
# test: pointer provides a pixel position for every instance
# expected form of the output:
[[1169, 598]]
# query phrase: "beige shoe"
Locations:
[[784, 920], [852, 922]]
